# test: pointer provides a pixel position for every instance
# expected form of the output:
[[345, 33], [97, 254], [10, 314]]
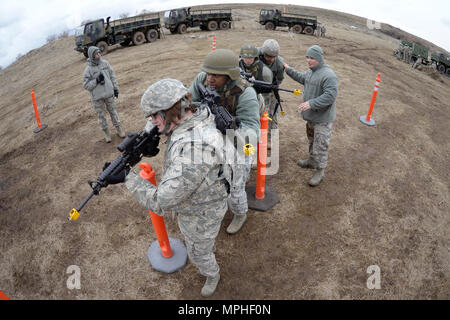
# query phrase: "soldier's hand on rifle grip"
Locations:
[[151, 149], [118, 177]]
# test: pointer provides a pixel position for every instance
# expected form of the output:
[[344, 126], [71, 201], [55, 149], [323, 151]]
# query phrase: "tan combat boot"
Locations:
[[120, 132], [210, 286], [317, 177], [107, 135], [237, 223]]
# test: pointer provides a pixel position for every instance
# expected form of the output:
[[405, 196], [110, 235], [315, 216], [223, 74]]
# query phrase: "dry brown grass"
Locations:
[[384, 200]]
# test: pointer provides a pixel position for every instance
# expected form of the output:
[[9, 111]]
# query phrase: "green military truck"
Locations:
[[299, 23], [178, 20], [418, 51], [125, 31], [442, 62]]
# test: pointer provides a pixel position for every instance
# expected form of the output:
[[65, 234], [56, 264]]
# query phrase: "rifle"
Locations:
[[224, 120], [266, 87], [133, 148]]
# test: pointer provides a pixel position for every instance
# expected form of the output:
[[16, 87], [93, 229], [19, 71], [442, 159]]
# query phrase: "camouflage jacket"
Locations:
[[99, 91], [191, 180]]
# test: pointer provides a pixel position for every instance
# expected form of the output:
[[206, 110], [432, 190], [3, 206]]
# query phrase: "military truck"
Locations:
[[125, 31], [442, 62], [178, 20], [299, 23]]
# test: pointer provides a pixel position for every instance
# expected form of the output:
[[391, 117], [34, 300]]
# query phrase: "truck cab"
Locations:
[[269, 15], [92, 32], [173, 17]]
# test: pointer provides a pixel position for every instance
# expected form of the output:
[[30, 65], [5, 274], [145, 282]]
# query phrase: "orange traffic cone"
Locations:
[[167, 254]]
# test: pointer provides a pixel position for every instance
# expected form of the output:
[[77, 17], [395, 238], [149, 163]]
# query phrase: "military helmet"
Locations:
[[271, 48], [249, 51], [222, 61], [162, 95]]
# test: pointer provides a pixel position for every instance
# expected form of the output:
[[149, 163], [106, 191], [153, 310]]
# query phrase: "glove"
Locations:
[[116, 93], [151, 149], [118, 177], [101, 78]]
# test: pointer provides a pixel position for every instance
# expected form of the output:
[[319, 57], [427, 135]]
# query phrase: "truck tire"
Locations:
[[270, 26], [224, 25], [297, 28], [309, 30], [212, 25], [441, 68], [138, 38], [103, 46], [448, 72], [182, 28], [152, 35]]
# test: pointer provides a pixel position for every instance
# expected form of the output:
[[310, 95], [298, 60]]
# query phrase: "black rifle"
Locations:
[[224, 120], [266, 87], [133, 148]]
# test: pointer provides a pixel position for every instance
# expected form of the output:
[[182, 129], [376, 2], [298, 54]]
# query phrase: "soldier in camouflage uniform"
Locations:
[[269, 55], [323, 30], [193, 188], [250, 63], [407, 54], [417, 63], [318, 109], [99, 79], [221, 71]]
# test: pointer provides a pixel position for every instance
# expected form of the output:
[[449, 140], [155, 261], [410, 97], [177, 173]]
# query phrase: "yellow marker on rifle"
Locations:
[[249, 149], [74, 214], [297, 92], [267, 116]]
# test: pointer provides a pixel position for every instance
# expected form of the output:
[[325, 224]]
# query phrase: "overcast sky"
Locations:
[[26, 24]]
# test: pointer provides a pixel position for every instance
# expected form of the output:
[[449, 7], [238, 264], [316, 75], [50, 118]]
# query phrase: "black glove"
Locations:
[[151, 149], [116, 93], [118, 177], [101, 78]]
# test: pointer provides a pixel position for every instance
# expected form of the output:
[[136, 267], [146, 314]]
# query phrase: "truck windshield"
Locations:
[[79, 31]]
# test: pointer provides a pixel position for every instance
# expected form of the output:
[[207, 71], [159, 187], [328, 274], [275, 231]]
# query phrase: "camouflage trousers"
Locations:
[[99, 107], [238, 197], [319, 135], [200, 231]]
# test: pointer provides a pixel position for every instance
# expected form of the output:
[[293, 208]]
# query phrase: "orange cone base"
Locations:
[[168, 265], [270, 199], [37, 130], [369, 123]]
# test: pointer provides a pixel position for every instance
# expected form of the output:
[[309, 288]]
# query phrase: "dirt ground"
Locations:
[[384, 200]]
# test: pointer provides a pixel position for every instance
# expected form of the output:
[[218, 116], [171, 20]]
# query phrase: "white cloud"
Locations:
[[26, 24]]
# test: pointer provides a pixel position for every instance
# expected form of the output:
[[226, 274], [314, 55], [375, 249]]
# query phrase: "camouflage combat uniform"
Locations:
[[407, 54], [194, 190], [240, 101], [101, 94], [272, 48], [261, 72], [321, 88]]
